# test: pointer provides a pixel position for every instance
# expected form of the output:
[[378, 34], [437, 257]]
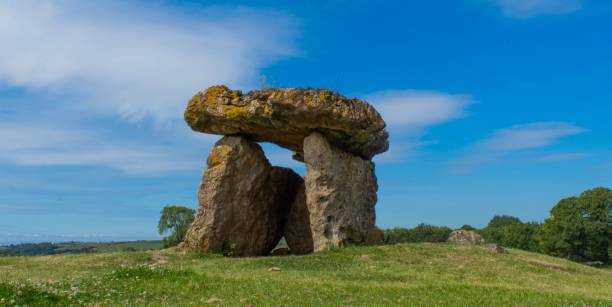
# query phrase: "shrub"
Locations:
[[420, 233]]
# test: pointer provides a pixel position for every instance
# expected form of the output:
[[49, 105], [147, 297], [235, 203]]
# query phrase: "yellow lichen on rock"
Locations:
[[217, 155], [220, 94], [267, 109], [235, 111], [285, 116]]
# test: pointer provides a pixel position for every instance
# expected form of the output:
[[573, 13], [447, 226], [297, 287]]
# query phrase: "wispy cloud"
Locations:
[[45, 144], [532, 135], [105, 83], [419, 109], [532, 8], [564, 156], [409, 113], [136, 59], [515, 139]]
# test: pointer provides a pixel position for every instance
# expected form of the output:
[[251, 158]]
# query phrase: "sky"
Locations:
[[493, 106]]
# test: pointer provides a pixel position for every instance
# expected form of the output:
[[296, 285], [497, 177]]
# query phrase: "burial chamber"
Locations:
[[246, 205]]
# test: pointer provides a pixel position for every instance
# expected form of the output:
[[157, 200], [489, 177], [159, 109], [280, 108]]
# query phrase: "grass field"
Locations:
[[407, 274]]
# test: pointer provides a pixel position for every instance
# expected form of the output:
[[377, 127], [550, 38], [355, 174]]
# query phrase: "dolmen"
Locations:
[[246, 205]]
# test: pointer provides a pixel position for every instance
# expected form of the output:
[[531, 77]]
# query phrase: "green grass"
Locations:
[[406, 275]]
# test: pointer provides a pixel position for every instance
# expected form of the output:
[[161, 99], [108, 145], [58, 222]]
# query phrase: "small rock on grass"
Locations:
[[214, 300], [495, 248], [274, 269], [364, 257]]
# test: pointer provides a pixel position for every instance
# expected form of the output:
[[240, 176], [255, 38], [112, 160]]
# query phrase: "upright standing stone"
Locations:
[[340, 193], [297, 227], [239, 212]]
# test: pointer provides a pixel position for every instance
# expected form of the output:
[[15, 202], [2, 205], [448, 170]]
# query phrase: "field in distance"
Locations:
[[38, 249], [422, 274]]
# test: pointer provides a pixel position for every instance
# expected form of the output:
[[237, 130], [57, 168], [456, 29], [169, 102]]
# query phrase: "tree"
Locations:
[[521, 236], [580, 228], [468, 227], [494, 232], [175, 221], [510, 231], [499, 221]]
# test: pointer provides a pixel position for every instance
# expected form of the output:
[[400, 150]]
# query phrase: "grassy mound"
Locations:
[[407, 274]]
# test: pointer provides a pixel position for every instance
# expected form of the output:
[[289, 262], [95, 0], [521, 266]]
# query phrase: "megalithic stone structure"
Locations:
[[247, 205]]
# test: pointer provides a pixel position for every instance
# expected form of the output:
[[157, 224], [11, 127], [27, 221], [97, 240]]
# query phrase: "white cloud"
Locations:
[[48, 144], [83, 64], [516, 139], [136, 59], [531, 135], [564, 156], [409, 113], [419, 109], [532, 8]]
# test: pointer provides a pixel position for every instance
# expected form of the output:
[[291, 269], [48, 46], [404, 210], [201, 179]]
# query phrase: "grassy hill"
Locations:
[[406, 274]]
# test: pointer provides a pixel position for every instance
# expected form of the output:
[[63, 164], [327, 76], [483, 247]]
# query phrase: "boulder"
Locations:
[[287, 116], [465, 237], [495, 248], [375, 236], [340, 193], [243, 201]]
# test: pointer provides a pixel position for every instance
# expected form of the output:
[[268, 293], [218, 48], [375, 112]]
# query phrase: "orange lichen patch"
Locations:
[[220, 94], [217, 155], [192, 111], [213, 92]]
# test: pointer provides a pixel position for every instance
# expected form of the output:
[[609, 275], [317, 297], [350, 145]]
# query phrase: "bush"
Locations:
[[420, 233]]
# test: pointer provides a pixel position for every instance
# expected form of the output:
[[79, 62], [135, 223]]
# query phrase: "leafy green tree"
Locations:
[[467, 227], [175, 221], [521, 236], [580, 228], [494, 232], [510, 231]]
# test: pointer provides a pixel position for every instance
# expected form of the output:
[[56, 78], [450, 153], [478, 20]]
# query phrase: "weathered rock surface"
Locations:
[[297, 225], [286, 116], [495, 248], [243, 201], [375, 236], [340, 193], [465, 237]]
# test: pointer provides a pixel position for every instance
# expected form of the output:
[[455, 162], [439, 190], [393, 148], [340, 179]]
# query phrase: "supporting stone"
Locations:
[[297, 226], [340, 191], [243, 201]]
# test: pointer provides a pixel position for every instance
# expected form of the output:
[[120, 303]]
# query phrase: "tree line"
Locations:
[[579, 228]]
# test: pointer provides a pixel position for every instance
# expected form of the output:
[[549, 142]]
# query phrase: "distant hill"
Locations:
[[41, 249], [422, 274]]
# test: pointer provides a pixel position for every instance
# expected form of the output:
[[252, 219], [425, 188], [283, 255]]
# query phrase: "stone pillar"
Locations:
[[243, 201], [297, 228], [340, 191]]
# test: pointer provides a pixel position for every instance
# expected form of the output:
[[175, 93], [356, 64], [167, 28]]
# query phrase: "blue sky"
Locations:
[[494, 106]]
